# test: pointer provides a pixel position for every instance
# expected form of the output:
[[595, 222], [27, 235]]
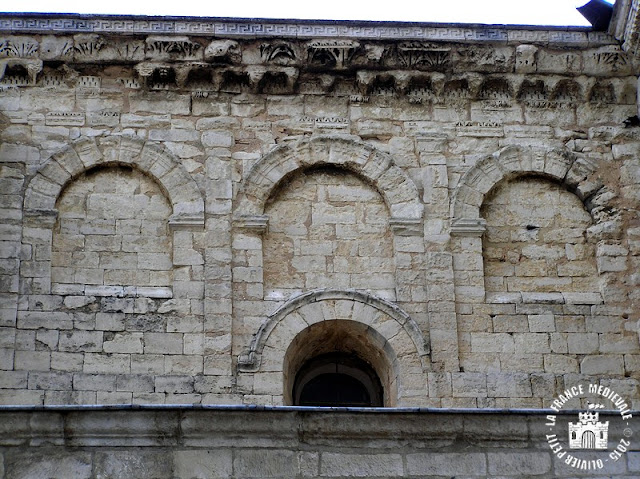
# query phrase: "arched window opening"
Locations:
[[337, 380], [328, 357]]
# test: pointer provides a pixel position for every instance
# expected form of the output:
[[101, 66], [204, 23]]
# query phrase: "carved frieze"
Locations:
[[479, 129], [64, 118], [132, 83], [423, 55], [172, 48], [20, 47], [53, 80], [129, 50], [103, 118], [86, 47], [274, 80], [602, 92], [280, 53], [489, 59], [526, 58], [456, 92], [611, 59], [332, 53]]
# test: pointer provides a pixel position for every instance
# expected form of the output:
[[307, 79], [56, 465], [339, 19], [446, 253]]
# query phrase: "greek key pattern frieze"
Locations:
[[311, 29]]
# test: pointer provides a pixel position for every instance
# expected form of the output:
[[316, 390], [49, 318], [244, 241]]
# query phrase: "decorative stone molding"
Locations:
[[281, 53], [132, 25], [377, 168], [625, 25], [18, 47], [468, 227], [424, 55], [186, 222], [250, 360], [170, 47], [258, 223], [332, 53]]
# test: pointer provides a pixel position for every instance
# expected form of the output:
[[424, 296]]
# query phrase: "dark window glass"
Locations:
[[337, 380]]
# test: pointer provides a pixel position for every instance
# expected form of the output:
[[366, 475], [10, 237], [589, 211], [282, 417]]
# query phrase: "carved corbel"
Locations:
[[31, 66], [182, 74], [273, 79], [144, 70], [402, 80], [186, 222], [223, 51], [159, 71], [364, 80]]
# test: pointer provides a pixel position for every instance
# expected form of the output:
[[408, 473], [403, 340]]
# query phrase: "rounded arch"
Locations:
[[374, 166], [87, 153], [574, 172], [329, 304]]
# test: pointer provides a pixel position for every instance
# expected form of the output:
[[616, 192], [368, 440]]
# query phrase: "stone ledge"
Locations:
[[114, 291], [530, 297]]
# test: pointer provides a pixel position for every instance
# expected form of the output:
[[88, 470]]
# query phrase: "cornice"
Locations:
[[29, 23]]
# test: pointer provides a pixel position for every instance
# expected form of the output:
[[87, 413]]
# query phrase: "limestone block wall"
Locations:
[[192, 209]]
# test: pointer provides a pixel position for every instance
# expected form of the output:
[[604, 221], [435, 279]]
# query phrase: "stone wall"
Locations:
[[223, 443], [191, 209]]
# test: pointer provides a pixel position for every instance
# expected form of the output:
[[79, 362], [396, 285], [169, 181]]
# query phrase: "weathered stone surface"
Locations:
[[191, 211]]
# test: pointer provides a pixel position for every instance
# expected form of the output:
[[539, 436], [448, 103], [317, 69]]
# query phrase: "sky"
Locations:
[[523, 12]]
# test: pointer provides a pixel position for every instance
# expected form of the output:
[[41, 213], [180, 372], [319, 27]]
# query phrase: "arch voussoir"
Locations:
[[86, 153], [375, 167]]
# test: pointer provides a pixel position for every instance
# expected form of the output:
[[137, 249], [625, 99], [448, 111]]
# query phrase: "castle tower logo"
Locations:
[[602, 434], [589, 432]]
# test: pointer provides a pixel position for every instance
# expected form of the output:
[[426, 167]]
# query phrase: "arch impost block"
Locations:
[[186, 222], [247, 362], [406, 226], [45, 218], [468, 227], [252, 223]]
